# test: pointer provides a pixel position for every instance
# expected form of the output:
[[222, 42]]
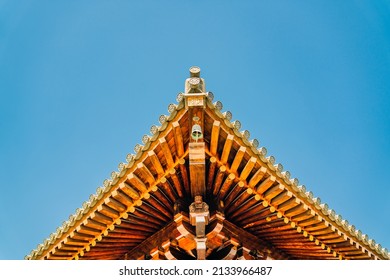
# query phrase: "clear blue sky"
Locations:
[[82, 81]]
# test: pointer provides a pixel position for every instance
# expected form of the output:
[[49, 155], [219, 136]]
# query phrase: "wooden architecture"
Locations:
[[199, 188]]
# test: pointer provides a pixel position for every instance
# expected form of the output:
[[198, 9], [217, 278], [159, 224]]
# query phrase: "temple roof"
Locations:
[[144, 209]]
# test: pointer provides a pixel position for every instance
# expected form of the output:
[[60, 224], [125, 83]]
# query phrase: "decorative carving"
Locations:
[[179, 97], [218, 105], [365, 238], [294, 182], [195, 84], [106, 183], [210, 96], [121, 166], [352, 229], [195, 71], [138, 148], [255, 143], [237, 124], [86, 204], [65, 225], [338, 219], [358, 234], [129, 158], [199, 217], [286, 175], [171, 108], [71, 219], [325, 208], [279, 167], [317, 201], [309, 195], [302, 189], [197, 168], [271, 160], [154, 129], [263, 151], [163, 119], [114, 175], [99, 191], [331, 214], [228, 115], [246, 134], [79, 211], [195, 101], [145, 139]]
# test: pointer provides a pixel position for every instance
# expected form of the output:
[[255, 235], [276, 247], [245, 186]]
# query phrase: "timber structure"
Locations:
[[199, 188]]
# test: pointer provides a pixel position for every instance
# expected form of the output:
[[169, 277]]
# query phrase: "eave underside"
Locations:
[[257, 211]]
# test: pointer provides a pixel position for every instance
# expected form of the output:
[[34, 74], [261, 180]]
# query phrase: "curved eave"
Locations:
[[61, 236], [354, 243], [320, 211]]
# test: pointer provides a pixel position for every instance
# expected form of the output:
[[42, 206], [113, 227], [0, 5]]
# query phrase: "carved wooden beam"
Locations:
[[122, 197], [252, 242], [273, 191], [155, 201], [248, 168], [257, 177], [184, 175], [218, 180], [167, 152], [237, 159], [197, 158], [211, 173], [129, 190], [132, 225], [266, 184], [176, 182], [156, 163], [153, 241], [168, 189], [178, 139], [215, 137], [95, 224], [195, 102], [252, 207], [239, 187], [115, 204], [137, 183], [146, 173], [289, 204], [226, 186], [226, 148], [243, 196]]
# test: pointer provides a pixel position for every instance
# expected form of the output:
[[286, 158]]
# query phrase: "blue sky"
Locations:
[[82, 81]]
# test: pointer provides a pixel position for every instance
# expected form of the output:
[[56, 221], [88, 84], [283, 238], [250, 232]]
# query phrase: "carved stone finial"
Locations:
[[195, 84], [194, 71]]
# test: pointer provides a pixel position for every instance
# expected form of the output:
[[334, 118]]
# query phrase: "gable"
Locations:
[[249, 206]]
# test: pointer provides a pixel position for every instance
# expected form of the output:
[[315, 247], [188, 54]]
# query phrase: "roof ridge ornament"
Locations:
[[194, 84]]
